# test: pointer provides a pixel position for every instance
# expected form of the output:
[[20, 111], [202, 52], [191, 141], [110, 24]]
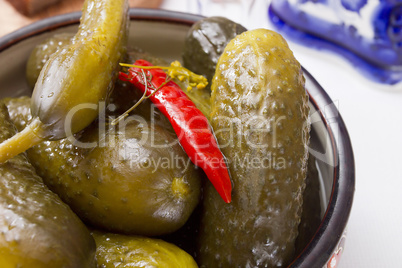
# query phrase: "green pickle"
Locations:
[[83, 72], [205, 42], [114, 250], [36, 228], [260, 118], [135, 179], [41, 54], [77, 78]]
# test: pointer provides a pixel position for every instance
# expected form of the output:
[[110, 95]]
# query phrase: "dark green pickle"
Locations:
[[136, 180], [205, 42], [309, 222], [259, 115], [37, 230], [114, 250]]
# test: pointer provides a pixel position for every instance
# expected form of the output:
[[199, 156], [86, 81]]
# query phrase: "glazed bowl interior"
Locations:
[[162, 33]]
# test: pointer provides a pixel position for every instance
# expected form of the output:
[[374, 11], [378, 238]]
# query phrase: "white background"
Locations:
[[373, 115]]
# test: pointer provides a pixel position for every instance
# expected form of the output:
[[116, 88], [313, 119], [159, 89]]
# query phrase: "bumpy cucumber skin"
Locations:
[[36, 228], [258, 84], [114, 250], [119, 186]]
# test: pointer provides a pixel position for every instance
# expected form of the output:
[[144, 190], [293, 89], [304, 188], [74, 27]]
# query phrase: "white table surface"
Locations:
[[373, 115]]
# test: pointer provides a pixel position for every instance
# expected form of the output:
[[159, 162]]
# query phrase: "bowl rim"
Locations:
[[333, 224]]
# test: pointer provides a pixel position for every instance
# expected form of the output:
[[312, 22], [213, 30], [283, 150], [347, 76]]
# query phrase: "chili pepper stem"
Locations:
[[175, 70], [21, 141]]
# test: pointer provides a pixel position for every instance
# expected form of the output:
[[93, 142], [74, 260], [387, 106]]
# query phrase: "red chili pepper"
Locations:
[[190, 125]]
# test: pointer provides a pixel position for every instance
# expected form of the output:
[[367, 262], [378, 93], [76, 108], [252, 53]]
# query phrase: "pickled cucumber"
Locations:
[[205, 42], [41, 54], [133, 178], [82, 72], [260, 118], [77, 79], [113, 250], [36, 228]]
